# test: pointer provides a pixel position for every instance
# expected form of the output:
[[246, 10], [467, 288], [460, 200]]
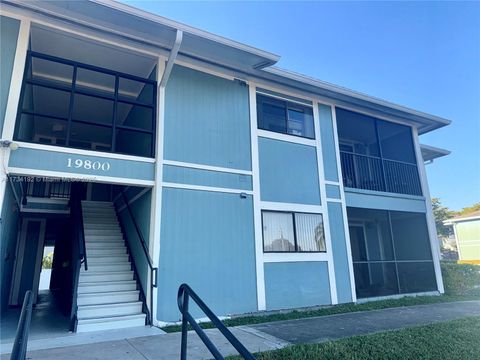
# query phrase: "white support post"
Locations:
[[323, 197], [257, 213], [435, 246]]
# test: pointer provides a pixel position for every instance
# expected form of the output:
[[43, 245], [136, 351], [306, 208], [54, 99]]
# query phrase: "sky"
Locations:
[[423, 55]]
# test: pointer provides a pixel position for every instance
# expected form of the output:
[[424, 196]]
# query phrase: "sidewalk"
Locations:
[[263, 337]]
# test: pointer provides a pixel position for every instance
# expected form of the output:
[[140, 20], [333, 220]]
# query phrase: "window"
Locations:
[[292, 232], [285, 117]]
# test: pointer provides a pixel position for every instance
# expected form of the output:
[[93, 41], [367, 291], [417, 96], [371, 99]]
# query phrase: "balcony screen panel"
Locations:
[[396, 142], [375, 279], [271, 114], [38, 99], [133, 143], [40, 129], [410, 236], [135, 90], [53, 72], [357, 133], [91, 137], [310, 232], [92, 109], [416, 277], [300, 122], [278, 235], [134, 116], [95, 81]]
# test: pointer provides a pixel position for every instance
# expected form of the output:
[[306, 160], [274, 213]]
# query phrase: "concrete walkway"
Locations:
[[263, 337]]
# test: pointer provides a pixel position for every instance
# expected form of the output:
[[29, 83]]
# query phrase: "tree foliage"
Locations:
[[442, 213]]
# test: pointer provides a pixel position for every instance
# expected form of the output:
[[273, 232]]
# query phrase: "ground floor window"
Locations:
[[292, 232], [391, 252]]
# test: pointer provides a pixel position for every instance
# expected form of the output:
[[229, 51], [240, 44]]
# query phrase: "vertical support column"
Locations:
[[12, 102], [257, 213], [432, 230], [323, 197], [156, 198], [344, 206]]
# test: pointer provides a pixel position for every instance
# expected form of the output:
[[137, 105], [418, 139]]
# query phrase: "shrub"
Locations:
[[460, 279]]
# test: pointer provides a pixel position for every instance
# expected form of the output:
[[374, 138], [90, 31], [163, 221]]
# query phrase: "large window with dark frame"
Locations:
[[66, 103], [285, 117], [376, 154], [292, 232]]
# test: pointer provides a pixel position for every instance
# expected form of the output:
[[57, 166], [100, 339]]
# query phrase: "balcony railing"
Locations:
[[373, 173]]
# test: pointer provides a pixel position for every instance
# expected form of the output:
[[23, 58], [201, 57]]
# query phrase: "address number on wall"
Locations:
[[88, 164]]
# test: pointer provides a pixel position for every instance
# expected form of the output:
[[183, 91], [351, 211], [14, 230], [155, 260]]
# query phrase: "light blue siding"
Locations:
[[8, 45], [141, 213], [339, 250], [8, 241], [296, 284], [288, 172], [385, 201], [27, 158], [206, 120], [333, 191], [207, 241], [183, 175], [328, 143]]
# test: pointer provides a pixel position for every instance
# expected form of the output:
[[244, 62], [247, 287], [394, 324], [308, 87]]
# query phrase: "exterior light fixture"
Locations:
[[9, 144]]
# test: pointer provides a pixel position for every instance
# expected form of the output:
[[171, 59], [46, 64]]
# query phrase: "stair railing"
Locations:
[[185, 292], [79, 250], [153, 270], [19, 350]]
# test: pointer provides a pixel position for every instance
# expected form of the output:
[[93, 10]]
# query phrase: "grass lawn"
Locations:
[[458, 339], [337, 309]]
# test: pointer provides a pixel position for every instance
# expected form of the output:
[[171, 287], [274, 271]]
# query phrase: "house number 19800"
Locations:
[[88, 164]]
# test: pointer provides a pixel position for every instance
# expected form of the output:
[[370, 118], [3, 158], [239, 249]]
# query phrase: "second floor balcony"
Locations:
[[77, 105], [377, 155]]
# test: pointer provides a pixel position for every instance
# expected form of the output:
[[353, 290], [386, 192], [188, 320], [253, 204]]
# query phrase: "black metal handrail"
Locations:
[[153, 270], [185, 292], [79, 250], [19, 350]]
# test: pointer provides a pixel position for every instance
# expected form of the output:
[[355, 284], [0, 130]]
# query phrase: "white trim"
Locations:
[[279, 206], [432, 230], [457, 220], [300, 257], [16, 80], [332, 200], [344, 206], [156, 198], [323, 197], [67, 150], [257, 212], [206, 167], [83, 177], [285, 137], [285, 91], [206, 188], [456, 242], [329, 182]]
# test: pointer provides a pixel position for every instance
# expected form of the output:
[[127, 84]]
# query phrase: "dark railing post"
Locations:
[[19, 350], [183, 354]]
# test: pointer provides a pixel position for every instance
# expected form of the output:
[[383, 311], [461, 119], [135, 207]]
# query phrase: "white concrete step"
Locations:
[[87, 224], [97, 268], [104, 231], [106, 310], [100, 226], [104, 244], [88, 276], [116, 322], [108, 259], [105, 251], [96, 203], [103, 237], [111, 297], [99, 287]]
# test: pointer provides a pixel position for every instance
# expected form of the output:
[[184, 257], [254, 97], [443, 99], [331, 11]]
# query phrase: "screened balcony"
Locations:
[[377, 155], [79, 93]]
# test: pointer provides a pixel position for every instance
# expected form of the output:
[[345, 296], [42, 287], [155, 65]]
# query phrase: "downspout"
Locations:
[[157, 191]]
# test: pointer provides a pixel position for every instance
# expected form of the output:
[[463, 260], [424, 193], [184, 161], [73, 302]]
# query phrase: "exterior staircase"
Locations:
[[107, 295]]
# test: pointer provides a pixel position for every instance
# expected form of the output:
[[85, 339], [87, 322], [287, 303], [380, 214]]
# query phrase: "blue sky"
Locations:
[[423, 55]]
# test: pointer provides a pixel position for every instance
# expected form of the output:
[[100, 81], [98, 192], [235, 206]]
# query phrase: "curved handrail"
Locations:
[[184, 293]]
